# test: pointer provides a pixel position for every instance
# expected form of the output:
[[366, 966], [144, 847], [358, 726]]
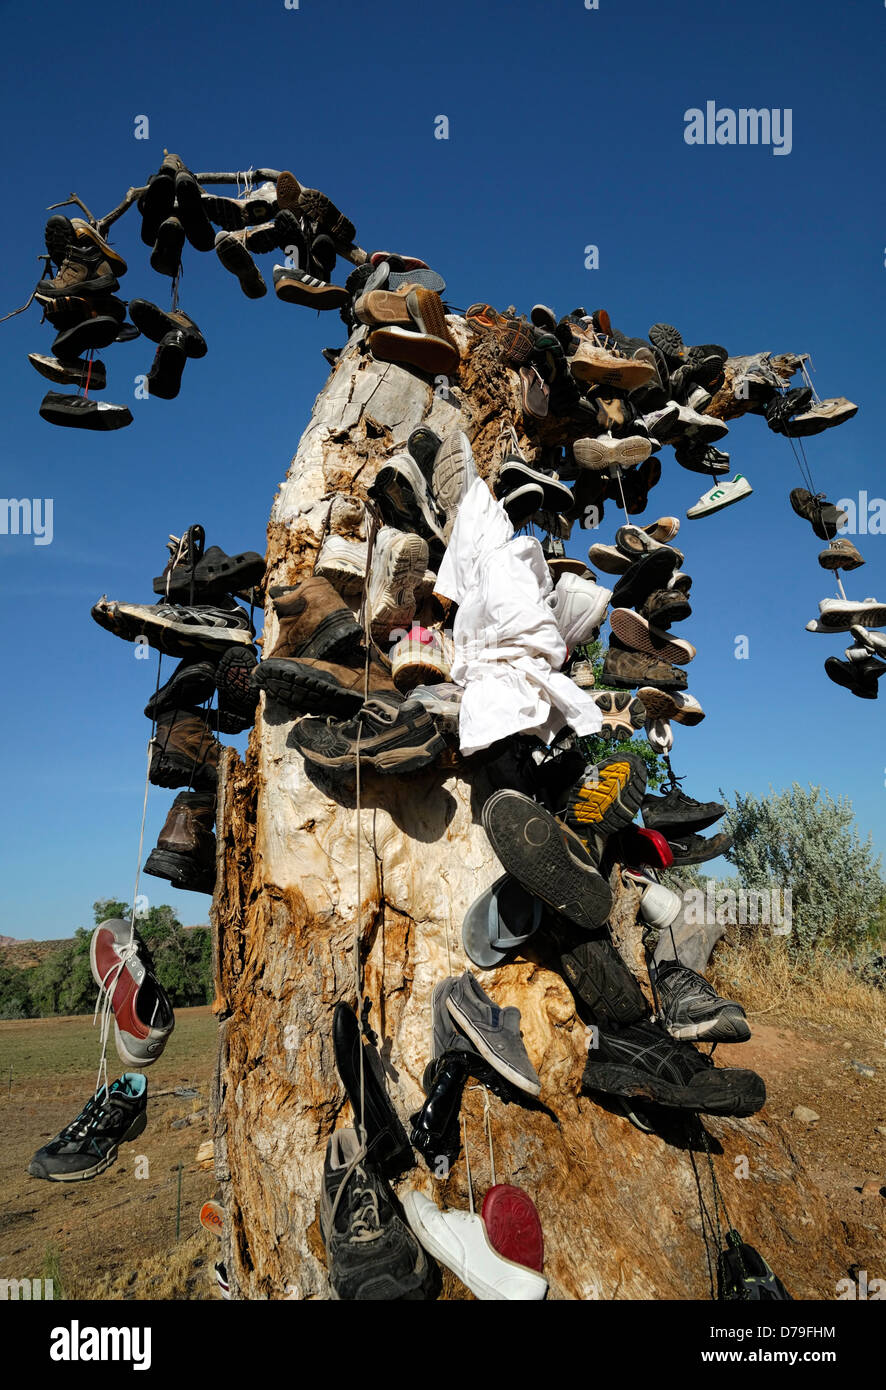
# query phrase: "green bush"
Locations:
[[804, 840]]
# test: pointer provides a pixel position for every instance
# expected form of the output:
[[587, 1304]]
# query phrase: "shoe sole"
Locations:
[[478, 1286], [661, 704], [391, 589], [598, 977], [544, 864], [387, 1140], [871, 617], [180, 870], [235, 258], [402, 760], [113, 418], [625, 714], [380, 307], [319, 295], [612, 802], [136, 1128], [212, 1218], [717, 1097], [597, 454], [194, 686], [829, 560], [639, 634], [629, 376], [72, 374], [634, 682], [729, 1026], [155, 324], [450, 471], [428, 354], [173, 770], [608, 559], [91, 334], [301, 688]]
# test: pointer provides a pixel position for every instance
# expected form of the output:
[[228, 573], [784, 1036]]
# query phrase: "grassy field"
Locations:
[[115, 1235]]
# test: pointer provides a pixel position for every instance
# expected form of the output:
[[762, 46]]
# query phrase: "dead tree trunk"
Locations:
[[620, 1210]]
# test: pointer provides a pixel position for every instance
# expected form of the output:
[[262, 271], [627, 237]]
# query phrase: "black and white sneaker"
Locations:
[[643, 1061], [371, 1253], [78, 372], [692, 1010], [81, 413], [675, 811], [88, 1145], [175, 629]]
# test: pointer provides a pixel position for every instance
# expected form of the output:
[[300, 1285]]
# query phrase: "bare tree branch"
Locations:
[[72, 198]]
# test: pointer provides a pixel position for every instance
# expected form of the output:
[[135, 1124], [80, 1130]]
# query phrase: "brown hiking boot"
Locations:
[[321, 687], [313, 622], [666, 606], [635, 668], [185, 852], [84, 271], [592, 363], [185, 754], [840, 554]]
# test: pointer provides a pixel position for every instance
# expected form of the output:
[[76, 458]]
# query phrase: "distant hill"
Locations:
[[22, 955]]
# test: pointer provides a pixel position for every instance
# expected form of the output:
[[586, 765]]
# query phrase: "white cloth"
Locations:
[[508, 648]]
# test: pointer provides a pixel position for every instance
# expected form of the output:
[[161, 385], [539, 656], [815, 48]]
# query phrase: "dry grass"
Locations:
[[760, 972]]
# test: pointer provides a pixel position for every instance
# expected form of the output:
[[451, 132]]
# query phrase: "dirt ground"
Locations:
[[115, 1236]]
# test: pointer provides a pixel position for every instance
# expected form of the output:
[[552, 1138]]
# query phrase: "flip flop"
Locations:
[[536, 393], [499, 921]]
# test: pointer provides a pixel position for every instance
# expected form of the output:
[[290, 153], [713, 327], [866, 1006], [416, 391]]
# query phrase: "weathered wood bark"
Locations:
[[620, 1209]]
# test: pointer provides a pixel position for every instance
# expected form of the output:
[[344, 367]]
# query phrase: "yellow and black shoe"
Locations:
[[607, 798]]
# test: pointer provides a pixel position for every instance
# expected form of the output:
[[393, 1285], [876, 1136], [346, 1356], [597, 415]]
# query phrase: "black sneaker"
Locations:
[[156, 203], [371, 1253], [644, 577], [677, 812], [88, 1145], [390, 734], [701, 458], [82, 413], [175, 628], [89, 334], [230, 247], [608, 798], [694, 849], [192, 214], [166, 255], [387, 1147], [155, 323], [191, 683], [165, 376], [692, 1010], [824, 518], [861, 677], [642, 1060]]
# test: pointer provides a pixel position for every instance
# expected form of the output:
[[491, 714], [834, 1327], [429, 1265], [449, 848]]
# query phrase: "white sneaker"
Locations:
[[705, 428], [661, 423], [839, 615], [579, 608], [659, 906], [698, 398], [723, 495], [453, 473], [399, 561], [458, 1239], [659, 735], [635, 541], [873, 641], [600, 453], [343, 563]]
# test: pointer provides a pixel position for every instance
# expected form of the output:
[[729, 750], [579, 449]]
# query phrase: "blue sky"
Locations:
[[566, 129]]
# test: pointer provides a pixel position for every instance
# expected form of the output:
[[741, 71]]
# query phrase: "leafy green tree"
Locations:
[[804, 840], [106, 908], [15, 992]]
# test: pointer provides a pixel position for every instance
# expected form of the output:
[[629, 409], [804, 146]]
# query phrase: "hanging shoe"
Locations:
[[360, 1069], [166, 256], [214, 573], [156, 203], [191, 683], [823, 415], [605, 452], [643, 1061], [494, 1031], [631, 669], [333, 688], [458, 1239], [402, 496], [607, 799], [298, 287], [694, 849], [185, 851], [237, 696], [115, 1115], [422, 657], [84, 272], [622, 713], [91, 334], [659, 735], [156, 323], [387, 733], [174, 628], [722, 495], [824, 518], [676, 812], [192, 213], [840, 554], [167, 368], [313, 622], [371, 1254], [604, 988], [123, 969], [184, 752], [81, 413], [693, 1011], [861, 677], [399, 561], [76, 372], [231, 250], [638, 634]]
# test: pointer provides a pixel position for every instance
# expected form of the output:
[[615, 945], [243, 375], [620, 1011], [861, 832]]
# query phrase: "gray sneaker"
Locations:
[[445, 1037], [692, 1010], [495, 1032]]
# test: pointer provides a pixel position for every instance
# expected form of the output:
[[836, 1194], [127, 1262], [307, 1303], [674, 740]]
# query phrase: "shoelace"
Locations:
[[365, 1221]]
